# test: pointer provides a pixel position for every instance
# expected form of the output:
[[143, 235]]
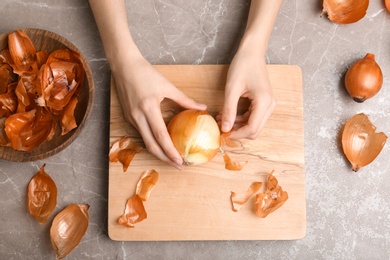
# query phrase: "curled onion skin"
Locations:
[[68, 228], [361, 144], [196, 136], [345, 11], [273, 198], [364, 78]]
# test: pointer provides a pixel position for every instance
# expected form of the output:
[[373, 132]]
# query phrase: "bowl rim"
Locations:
[[8, 153]]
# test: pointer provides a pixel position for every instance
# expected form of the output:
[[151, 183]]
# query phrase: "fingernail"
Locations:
[[225, 126], [179, 167], [178, 161]]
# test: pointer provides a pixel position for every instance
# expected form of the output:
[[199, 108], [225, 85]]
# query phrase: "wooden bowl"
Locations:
[[49, 41]]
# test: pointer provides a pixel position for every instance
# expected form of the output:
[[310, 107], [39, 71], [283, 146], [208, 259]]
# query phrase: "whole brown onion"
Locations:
[[345, 11], [364, 78]]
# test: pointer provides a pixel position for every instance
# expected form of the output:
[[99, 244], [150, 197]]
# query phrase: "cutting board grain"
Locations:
[[194, 204]]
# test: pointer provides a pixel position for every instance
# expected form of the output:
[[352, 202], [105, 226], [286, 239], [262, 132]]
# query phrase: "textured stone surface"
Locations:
[[347, 213]]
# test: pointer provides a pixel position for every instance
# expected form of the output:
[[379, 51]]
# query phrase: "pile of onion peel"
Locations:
[[135, 210], [68, 228], [264, 203], [345, 11], [38, 91], [41, 196], [123, 151], [272, 199], [364, 78], [361, 144]]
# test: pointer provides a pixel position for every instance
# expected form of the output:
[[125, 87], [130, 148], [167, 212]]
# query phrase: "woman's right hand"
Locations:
[[141, 89]]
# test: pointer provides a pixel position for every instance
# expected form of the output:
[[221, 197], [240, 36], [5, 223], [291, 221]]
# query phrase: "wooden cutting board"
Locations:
[[194, 204]]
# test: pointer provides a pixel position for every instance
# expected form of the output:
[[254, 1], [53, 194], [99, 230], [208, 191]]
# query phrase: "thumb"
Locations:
[[183, 100], [229, 112]]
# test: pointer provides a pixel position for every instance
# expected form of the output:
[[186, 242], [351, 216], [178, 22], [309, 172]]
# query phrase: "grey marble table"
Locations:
[[348, 215]]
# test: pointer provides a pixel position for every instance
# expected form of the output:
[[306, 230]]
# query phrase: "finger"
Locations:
[[151, 143], [240, 119], [183, 100], [161, 135], [229, 111], [257, 119]]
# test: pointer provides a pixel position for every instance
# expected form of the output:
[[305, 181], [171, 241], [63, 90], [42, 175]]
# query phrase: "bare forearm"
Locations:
[[261, 19], [111, 19]]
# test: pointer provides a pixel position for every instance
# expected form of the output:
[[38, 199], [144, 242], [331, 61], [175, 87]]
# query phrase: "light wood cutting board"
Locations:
[[194, 204]]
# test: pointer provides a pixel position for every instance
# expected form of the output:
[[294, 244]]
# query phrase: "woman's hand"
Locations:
[[141, 88], [247, 78]]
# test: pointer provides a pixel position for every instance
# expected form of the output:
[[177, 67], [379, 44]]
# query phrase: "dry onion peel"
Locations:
[[387, 4], [36, 79], [345, 11], [233, 165], [68, 228], [134, 212], [361, 144], [364, 78], [123, 151], [239, 199], [68, 121], [272, 199], [42, 196], [146, 184], [3, 137], [226, 141], [196, 136]]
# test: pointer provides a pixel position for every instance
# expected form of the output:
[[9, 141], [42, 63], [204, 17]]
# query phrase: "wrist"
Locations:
[[253, 44], [121, 55]]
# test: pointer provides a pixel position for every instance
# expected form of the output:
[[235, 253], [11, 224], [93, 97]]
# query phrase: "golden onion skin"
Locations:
[[68, 228], [364, 78], [196, 136], [361, 144], [345, 11]]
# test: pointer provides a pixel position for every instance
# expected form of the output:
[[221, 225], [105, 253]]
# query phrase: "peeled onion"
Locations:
[[361, 144], [364, 78], [345, 11], [195, 135]]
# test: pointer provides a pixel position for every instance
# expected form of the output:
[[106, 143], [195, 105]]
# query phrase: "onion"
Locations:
[[345, 11], [364, 78], [361, 145], [195, 135], [387, 4]]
